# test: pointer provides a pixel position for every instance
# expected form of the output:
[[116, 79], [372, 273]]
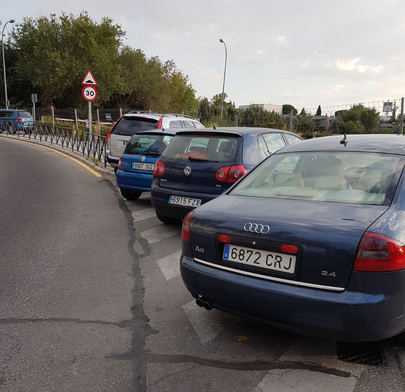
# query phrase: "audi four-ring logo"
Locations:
[[256, 228]]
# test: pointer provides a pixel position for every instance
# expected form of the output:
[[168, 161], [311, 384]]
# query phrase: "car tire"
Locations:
[[130, 194], [167, 220]]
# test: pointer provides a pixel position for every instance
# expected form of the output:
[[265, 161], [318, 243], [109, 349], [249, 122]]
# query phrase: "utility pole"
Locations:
[[223, 83], [290, 122], [401, 119], [4, 62]]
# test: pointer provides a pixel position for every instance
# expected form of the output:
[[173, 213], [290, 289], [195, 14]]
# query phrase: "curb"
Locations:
[[67, 151]]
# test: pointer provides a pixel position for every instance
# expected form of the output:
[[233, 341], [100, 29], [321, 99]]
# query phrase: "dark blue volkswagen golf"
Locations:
[[200, 165], [135, 170], [312, 240]]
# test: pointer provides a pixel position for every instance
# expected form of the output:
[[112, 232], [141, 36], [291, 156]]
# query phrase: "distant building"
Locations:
[[323, 123], [265, 106]]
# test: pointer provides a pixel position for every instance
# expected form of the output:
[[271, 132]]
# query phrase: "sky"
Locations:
[[300, 52]]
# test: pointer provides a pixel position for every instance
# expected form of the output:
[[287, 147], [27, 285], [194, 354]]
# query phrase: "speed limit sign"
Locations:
[[89, 93]]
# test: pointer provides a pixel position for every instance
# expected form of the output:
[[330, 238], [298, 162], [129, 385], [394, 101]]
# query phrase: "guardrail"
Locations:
[[88, 144]]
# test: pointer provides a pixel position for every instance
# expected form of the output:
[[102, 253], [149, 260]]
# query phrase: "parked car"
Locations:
[[199, 166], [12, 120], [135, 122], [135, 169], [311, 240]]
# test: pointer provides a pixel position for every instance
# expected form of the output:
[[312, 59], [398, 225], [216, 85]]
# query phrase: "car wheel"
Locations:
[[165, 219], [130, 194]]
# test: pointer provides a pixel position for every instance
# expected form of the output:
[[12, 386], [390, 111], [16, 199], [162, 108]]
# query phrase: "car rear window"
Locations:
[[151, 145], [361, 178], [205, 147], [129, 126], [24, 114]]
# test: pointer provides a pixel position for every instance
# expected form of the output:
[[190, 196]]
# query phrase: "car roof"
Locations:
[[394, 144], [157, 116], [236, 130]]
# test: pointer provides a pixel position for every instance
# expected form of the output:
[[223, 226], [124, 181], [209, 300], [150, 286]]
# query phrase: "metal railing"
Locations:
[[90, 145]]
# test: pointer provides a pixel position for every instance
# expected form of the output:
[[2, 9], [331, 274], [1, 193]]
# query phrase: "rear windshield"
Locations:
[[212, 148], [361, 178], [148, 144], [24, 114], [129, 126]]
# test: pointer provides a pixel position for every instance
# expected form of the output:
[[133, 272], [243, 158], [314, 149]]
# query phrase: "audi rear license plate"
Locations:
[[273, 261], [143, 166], [184, 201]]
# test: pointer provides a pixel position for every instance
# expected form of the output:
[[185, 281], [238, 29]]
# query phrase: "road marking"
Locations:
[[206, 326], [67, 156], [143, 214], [301, 380], [170, 265], [160, 232]]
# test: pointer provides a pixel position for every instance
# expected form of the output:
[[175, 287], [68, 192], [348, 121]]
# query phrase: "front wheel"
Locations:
[[130, 194], [165, 219]]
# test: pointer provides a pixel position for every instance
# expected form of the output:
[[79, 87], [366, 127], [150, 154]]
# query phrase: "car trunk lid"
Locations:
[[326, 234]]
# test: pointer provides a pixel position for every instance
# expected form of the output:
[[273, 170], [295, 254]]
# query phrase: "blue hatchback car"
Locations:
[[312, 240], [135, 170], [13, 120], [200, 165]]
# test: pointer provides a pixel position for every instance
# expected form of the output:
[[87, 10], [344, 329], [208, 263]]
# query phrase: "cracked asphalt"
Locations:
[[91, 299]]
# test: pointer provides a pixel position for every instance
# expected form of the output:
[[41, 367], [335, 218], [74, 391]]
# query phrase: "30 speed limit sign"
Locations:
[[89, 93]]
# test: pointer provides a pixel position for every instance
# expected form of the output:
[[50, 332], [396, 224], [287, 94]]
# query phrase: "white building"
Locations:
[[265, 106]]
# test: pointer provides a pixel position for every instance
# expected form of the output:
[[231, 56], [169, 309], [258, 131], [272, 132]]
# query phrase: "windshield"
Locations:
[[129, 126], [25, 114], [148, 144], [208, 147], [362, 178]]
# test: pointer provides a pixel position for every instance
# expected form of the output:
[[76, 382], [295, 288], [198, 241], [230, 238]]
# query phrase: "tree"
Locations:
[[318, 111], [55, 52], [287, 109], [351, 127], [369, 118], [303, 123]]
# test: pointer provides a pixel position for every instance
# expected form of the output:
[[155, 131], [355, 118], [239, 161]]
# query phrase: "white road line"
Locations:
[[170, 265], [205, 325], [145, 213], [160, 232], [301, 380]]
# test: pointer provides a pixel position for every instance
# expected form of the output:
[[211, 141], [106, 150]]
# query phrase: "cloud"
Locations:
[[353, 65]]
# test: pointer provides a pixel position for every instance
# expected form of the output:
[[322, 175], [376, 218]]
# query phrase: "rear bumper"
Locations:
[[160, 200], [350, 315], [136, 181], [112, 160]]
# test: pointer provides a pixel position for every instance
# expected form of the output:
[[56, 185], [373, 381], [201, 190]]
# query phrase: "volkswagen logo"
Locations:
[[143, 158], [187, 170], [256, 228]]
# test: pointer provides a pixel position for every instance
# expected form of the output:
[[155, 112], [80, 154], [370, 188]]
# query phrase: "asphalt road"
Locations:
[[91, 299]]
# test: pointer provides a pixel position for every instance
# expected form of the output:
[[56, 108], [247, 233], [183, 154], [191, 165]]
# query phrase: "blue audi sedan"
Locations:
[[135, 169], [312, 240]]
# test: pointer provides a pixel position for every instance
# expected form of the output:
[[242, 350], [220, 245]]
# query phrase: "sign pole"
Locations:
[[401, 121], [90, 119]]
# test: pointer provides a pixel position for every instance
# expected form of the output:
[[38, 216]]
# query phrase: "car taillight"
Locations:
[[19, 119], [224, 238], [230, 174], [159, 168], [108, 137], [159, 124], [379, 253], [120, 165], [285, 248], [185, 229]]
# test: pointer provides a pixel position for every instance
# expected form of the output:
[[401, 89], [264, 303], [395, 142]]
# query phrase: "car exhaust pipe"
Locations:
[[203, 302], [200, 301], [207, 304]]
